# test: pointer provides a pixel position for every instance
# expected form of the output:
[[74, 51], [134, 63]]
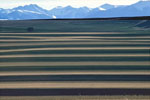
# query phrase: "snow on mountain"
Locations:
[[140, 8], [69, 12], [31, 7], [54, 17], [102, 8], [33, 11], [24, 12]]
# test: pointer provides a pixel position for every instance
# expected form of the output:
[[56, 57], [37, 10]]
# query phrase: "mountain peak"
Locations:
[[69, 7], [142, 4], [107, 6], [34, 11], [25, 6], [31, 7]]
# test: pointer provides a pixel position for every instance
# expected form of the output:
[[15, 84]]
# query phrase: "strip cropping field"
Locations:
[[77, 63], [95, 57]]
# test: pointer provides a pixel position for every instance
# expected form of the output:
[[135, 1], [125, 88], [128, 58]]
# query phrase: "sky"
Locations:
[[49, 4]]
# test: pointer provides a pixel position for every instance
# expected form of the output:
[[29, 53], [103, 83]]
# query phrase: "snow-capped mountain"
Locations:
[[33, 11], [24, 12], [33, 8], [69, 12], [141, 5], [138, 9]]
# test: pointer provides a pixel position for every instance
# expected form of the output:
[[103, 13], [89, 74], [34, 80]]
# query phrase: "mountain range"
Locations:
[[33, 11]]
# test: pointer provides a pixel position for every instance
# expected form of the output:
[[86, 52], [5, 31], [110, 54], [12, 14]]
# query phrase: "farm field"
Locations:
[[127, 97], [112, 60]]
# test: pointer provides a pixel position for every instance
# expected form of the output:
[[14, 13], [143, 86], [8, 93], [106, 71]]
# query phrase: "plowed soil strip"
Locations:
[[18, 85], [2, 64], [22, 73], [83, 37], [80, 48], [76, 55], [78, 97]]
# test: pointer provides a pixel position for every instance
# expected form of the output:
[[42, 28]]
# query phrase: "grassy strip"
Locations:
[[77, 59], [77, 68], [109, 51], [141, 78], [67, 26]]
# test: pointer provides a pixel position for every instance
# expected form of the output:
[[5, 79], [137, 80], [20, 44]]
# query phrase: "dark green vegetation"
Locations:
[[144, 24], [71, 26], [81, 78], [78, 68], [76, 92]]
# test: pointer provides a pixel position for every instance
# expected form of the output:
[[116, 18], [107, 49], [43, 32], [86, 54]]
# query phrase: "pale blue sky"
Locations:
[[48, 4]]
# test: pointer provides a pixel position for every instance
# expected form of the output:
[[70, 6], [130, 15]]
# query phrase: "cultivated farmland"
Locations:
[[106, 57]]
